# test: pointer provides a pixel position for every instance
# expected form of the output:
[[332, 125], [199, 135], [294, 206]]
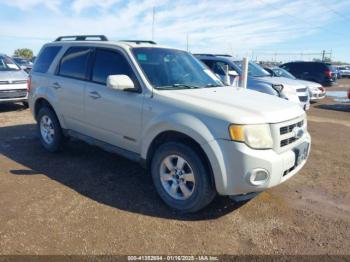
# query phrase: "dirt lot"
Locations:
[[87, 201]]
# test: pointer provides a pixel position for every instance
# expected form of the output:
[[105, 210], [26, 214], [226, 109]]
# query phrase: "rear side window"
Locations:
[[44, 61], [110, 63], [74, 63]]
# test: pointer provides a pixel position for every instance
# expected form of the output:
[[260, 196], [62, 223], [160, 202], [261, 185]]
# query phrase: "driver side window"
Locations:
[[108, 62]]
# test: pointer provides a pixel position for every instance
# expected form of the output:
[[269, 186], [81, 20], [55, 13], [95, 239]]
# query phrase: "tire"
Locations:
[[201, 190], [47, 123], [25, 104]]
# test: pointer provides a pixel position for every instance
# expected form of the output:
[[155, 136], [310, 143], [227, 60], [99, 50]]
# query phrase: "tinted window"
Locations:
[[110, 63], [43, 62], [74, 62]]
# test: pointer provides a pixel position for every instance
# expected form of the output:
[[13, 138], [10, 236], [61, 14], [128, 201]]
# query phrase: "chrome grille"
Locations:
[[303, 98], [289, 128], [284, 133], [302, 90], [14, 82], [7, 94]]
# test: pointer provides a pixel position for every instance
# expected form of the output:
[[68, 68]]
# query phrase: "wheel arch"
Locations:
[[177, 136], [41, 102]]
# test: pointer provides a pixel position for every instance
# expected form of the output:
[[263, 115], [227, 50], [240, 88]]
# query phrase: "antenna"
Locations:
[[153, 21]]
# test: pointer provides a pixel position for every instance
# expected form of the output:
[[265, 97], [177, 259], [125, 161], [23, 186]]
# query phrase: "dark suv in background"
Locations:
[[319, 72]]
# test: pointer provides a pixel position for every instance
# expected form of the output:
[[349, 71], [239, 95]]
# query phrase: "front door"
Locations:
[[113, 116]]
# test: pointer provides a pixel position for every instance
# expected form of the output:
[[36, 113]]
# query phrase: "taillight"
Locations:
[[349, 93], [29, 83], [328, 73]]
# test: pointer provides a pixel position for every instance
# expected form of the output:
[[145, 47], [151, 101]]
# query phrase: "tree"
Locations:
[[24, 52]]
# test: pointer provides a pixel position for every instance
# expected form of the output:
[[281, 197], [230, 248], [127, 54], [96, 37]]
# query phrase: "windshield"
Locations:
[[280, 72], [7, 64], [174, 69], [254, 69]]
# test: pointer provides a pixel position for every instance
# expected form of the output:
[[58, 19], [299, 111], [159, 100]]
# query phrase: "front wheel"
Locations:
[[181, 178], [49, 130]]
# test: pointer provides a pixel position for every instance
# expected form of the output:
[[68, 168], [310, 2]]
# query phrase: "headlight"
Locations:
[[254, 136]]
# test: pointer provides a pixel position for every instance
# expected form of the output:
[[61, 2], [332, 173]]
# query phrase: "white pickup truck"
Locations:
[[161, 107]]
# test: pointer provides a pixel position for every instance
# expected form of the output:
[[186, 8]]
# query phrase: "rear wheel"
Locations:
[[49, 130], [181, 178]]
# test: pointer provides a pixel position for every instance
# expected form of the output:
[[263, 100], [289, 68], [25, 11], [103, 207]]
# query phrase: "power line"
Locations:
[[335, 12], [301, 19]]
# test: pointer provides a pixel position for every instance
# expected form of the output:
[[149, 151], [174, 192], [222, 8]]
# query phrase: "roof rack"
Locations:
[[226, 55], [205, 54], [82, 38], [139, 41]]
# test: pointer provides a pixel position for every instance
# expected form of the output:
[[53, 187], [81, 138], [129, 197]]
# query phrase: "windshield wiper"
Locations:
[[178, 86]]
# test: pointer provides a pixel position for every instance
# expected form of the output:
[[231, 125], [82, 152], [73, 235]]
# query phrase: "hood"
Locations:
[[13, 75], [280, 81], [309, 83], [232, 104]]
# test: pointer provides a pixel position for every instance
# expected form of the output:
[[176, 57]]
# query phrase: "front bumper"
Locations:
[[13, 93], [317, 96], [239, 161]]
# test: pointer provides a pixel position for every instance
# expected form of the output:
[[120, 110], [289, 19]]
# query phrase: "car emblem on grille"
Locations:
[[298, 132]]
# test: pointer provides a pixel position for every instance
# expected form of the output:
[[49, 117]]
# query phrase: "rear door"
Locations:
[[69, 83], [113, 116]]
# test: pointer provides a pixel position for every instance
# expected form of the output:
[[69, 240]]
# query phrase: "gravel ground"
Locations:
[[86, 201]]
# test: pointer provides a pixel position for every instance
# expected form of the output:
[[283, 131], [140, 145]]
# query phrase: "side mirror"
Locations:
[[120, 82], [232, 73]]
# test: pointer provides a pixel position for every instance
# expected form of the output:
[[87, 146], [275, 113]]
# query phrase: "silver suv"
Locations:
[[13, 82], [163, 108]]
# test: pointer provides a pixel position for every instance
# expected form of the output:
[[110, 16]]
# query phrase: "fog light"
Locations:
[[258, 177]]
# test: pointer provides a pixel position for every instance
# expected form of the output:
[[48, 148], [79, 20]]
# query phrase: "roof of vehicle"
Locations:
[[308, 62], [103, 41]]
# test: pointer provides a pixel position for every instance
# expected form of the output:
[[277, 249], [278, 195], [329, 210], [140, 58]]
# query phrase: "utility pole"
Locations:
[[323, 55], [153, 21]]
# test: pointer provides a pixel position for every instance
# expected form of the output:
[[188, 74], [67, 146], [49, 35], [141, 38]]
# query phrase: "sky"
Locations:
[[260, 29]]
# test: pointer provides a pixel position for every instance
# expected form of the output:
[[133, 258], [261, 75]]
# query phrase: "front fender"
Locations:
[[177, 122], [197, 130]]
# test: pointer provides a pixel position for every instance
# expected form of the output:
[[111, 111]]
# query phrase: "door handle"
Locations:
[[94, 95], [56, 85]]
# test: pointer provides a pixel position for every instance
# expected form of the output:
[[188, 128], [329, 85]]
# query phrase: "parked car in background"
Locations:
[[336, 72], [25, 64], [316, 90], [161, 107], [258, 79], [13, 82], [344, 71], [318, 72]]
